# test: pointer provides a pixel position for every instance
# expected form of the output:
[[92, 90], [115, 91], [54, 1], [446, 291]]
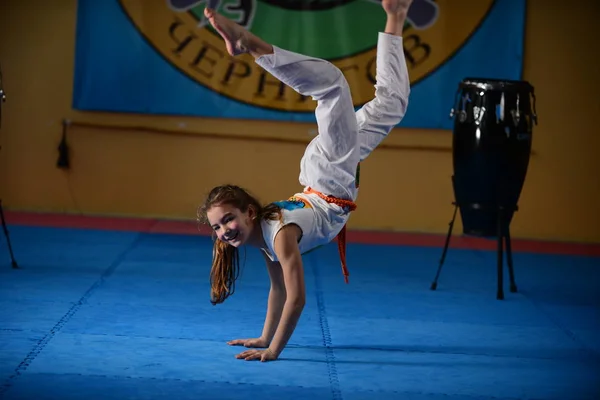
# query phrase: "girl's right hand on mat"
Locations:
[[258, 342]]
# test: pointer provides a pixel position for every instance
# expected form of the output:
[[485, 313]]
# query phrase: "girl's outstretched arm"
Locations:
[[290, 259], [276, 302], [275, 305], [288, 253]]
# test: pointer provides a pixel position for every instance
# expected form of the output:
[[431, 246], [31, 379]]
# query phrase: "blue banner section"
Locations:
[[157, 57]]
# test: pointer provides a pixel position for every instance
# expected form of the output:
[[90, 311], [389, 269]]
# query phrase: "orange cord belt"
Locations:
[[341, 237]]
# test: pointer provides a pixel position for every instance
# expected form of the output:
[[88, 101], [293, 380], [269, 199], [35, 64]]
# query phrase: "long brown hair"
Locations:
[[225, 264]]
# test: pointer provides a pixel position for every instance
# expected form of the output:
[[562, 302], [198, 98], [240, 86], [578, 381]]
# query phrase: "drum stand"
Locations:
[[503, 239], [6, 234], [12, 256]]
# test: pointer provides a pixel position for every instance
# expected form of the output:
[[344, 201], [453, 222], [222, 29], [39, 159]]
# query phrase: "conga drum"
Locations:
[[491, 146]]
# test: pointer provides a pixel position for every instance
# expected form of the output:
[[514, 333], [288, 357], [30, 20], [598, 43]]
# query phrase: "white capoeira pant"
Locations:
[[345, 137]]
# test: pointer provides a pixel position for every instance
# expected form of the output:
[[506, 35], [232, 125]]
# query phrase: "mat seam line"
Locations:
[[572, 336], [43, 342], [329, 354], [382, 349], [151, 378]]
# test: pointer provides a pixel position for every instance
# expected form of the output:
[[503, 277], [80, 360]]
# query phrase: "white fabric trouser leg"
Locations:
[[379, 116], [330, 160], [345, 137]]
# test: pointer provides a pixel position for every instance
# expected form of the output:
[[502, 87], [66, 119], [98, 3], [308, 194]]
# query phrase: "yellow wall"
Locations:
[[139, 172]]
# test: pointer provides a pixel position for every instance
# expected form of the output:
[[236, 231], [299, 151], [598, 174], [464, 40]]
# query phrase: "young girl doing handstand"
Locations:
[[285, 230]]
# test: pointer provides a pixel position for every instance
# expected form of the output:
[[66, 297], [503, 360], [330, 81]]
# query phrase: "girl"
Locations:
[[285, 230]]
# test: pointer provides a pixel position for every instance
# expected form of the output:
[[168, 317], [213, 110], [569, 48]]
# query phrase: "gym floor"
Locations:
[[109, 308]]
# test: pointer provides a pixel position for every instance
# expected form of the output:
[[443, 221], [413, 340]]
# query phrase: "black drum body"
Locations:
[[492, 137]]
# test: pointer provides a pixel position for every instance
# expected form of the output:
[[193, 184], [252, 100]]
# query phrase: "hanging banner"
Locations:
[[160, 57]]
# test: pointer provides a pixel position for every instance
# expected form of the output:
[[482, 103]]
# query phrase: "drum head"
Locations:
[[495, 84]]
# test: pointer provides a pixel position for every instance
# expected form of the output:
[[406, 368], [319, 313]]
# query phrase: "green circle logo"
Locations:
[[341, 31]]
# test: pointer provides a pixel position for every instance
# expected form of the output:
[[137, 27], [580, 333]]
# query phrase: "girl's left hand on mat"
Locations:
[[262, 355]]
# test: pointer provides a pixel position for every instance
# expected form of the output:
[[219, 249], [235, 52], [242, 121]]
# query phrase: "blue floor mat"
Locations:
[[97, 314]]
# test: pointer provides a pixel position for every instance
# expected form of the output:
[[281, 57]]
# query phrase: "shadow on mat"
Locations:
[[574, 354]]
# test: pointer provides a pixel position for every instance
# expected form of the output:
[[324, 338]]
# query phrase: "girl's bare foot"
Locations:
[[396, 6], [237, 39], [396, 11]]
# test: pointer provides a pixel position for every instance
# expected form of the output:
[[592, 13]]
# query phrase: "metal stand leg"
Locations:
[[509, 261], [451, 225], [500, 292], [503, 242], [12, 257]]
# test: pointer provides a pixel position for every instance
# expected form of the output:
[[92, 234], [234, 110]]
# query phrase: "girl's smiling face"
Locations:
[[230, 224]]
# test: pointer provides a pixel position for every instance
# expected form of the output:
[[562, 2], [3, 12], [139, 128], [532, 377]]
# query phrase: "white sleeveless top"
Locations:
[[319, 221]]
